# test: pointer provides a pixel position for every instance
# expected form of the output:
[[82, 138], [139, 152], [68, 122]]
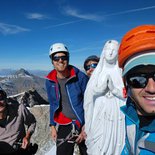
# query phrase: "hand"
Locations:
[[102, 85], [114, 90], [81, 136], [84, 133], [53, 133], [110, 84], [25, 143]]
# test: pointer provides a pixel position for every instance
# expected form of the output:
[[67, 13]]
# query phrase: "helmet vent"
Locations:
[[149, 31], [130, 37]]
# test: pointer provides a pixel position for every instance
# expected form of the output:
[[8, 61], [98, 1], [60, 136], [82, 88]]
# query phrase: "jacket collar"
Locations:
[[130, 112], [53, 74]]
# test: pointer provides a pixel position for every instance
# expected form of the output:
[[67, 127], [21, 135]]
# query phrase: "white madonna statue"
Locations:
[[104, 122]]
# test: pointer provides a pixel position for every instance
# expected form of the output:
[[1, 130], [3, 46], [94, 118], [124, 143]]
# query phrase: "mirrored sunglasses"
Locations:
[[139, 80], [91, 66], [57, 58]]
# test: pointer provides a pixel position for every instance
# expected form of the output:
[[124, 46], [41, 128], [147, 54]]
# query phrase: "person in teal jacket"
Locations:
[[137, 59], [65, 89]]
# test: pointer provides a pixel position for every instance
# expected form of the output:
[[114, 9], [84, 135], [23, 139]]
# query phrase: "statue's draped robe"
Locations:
[[104, 122]]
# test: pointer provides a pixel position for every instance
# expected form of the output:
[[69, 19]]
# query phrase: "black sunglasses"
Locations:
[[91, 66], [57, 58], [139, 80]]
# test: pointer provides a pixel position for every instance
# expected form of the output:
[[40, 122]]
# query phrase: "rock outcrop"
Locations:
[[42, 135]]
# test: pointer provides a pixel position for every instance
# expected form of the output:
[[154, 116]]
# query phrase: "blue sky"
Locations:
[[29, 27]]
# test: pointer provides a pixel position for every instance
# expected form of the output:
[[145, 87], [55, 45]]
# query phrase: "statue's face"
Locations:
[[111, 52]]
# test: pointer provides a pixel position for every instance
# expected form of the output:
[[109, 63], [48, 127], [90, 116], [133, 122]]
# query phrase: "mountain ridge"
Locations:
[[38, 72], [21, 81]]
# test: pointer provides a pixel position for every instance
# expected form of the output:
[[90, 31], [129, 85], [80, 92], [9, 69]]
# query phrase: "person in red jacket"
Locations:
[[65, 89]]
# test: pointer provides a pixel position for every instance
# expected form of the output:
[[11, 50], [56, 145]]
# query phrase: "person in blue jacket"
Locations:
[[137, 59], [65, 89]]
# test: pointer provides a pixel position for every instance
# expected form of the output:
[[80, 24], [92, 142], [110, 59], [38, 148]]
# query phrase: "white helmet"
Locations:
[[58, 47]]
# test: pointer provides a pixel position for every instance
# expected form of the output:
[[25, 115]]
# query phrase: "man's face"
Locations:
[[144, 95], [60, 61], [90, 66], [2, 106]]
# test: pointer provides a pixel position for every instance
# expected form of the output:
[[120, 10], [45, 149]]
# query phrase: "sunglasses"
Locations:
[[57, 58], [139, 80], [90, 66]]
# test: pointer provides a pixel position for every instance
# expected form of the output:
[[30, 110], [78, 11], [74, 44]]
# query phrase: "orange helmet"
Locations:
[[139, 39]]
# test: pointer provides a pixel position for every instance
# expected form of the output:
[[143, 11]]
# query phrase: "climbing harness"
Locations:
[[70, 138]]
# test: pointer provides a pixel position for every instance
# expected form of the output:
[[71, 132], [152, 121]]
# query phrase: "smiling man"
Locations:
[[65, 89], [137, 59]]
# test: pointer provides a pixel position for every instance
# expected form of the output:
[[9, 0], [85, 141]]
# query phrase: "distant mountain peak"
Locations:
[[22, 72]]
